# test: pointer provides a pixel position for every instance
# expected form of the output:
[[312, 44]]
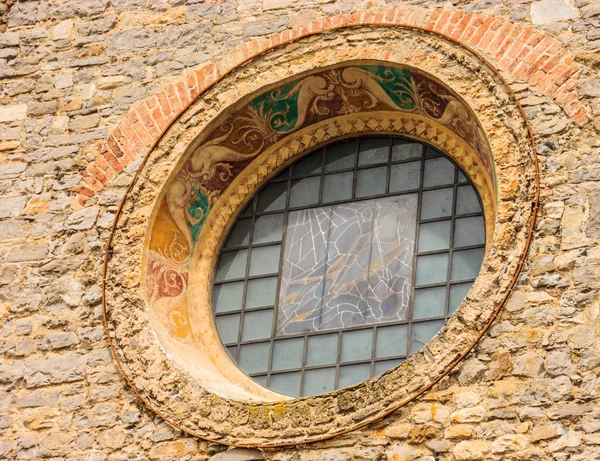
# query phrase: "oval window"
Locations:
[[346, 263]]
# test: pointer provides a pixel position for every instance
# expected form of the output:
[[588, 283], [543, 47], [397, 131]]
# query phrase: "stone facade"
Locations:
[[88, 87]]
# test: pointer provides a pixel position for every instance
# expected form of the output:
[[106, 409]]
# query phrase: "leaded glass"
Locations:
[[346, 263]]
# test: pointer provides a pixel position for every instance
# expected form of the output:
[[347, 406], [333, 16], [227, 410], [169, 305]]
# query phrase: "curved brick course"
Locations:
[[521, 52]]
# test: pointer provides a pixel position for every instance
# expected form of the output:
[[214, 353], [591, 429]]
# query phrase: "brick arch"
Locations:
[[519, 51]]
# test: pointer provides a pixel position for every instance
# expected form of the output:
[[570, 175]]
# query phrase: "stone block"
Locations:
[[471, 450], [62, 30], [10, 39], [274, 4], [13, 113], [82, 219], [28, 252], [27, 13], [549, 11], [54, 369], [81, 8]]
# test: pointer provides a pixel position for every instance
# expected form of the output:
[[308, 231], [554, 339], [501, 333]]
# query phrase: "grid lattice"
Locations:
[[445, 251]]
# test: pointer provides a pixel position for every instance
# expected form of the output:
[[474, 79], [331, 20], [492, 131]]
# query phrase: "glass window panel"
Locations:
[[466, 200], [430, 152], [337, 187], [232, 350], [262, 380], [248, 210], [432, 269], [461, 177], [354, 374], [232, 265], [340, 155], [405, 176], [257, 325], [371, 182], [430, 302], [268, 228], [466, 264], [458, 292], [438, 172], [422, 332], [305, 192], [469, 231], [272, 197], [254, 358], [240, 234], [261, 292], [287, 353], [434, 236], [321, 349], [373, 150], [311, 164], [357, 345], [286, 383], [228, 296], [405, 150], [264, 260], [436, 203], [319, 381], [229, 327], [385, 365], [391, 341]]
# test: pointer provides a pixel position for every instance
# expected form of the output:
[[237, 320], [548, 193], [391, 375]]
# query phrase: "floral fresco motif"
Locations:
[[347, 265]]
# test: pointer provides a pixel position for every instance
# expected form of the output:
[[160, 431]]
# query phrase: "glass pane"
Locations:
[[357, 345], [391, 341], [461, 177], [261, 292], [469, 231], [228, 297], [248, 210], [430, 152], [340, 155], [319, 381], [272, 197], [373, 150], [405, 150], [337, 187], [257, 325], [405, 176], [385, 365], [265, 260], [232, 350], [436, 203], [458, 292], [466, 200], [422, 332], [371, 182], [466, 264], [305, 192], [268, 228], [232, 265], [321, 349], [240, 234], [311, 164], [430, 302], [262, 380], [432, 269], [354, 374], [286, 383], [229, 327], [434, 236], [438, 172], [254, 358], [287, 353]]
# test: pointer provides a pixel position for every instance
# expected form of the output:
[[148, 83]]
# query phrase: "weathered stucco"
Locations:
[[75, 125]]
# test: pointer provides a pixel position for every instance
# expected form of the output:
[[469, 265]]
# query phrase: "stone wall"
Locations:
[[75, 72]]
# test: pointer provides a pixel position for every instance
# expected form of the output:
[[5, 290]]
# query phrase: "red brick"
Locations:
[[174, 100], [159, 119], [184, 94], [114, 148], [462, 26], [96, 173], [481, 31], [113, 162], [85, 191], [192, 83], [443, 18], [144, 116], [165, 105]]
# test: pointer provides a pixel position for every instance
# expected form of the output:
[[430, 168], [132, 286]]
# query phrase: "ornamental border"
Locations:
[[523, 52]]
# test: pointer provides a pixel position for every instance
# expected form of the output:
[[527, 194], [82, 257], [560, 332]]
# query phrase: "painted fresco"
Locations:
[[265, 120], [347, 265]]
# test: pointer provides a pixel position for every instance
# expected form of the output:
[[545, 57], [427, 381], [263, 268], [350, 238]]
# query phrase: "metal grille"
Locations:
[[447, 251]]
